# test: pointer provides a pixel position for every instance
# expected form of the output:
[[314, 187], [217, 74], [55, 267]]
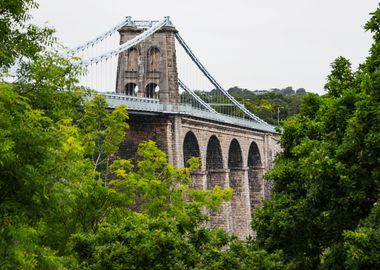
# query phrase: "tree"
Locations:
[[326, 181], [301, 91], [19, 40], [156, 217], [288, 91]]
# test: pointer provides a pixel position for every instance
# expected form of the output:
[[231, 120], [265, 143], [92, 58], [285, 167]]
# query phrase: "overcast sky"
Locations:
[[253, 44]]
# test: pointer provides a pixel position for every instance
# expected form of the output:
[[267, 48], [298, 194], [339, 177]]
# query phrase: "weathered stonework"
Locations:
[[231, 156], [171, 132], [152, 62]]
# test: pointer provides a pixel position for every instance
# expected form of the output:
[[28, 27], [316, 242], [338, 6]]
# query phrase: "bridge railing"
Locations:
[[223, 118], [134, 103]]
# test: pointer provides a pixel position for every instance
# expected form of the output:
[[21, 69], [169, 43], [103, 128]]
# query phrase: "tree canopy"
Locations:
[[324, 208], [272, 106]]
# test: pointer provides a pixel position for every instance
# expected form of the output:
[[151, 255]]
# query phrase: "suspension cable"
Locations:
[[125, 46], [195, 96], [215, 83]]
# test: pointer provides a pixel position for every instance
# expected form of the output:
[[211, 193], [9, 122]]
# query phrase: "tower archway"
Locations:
[[152, 90], [132, 60], [153, 60], [130, 89]]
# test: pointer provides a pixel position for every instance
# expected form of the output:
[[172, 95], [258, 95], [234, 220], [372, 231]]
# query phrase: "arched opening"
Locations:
[[152, 90], [238, 182], [130, 89], [235, 159], [214, 159], [153, 58], [214, 163], [132, 60], [255, 176], [254, 158], [235, 164], [190, 147], [217, 176]]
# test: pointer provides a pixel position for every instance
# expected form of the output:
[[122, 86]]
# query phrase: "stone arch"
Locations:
[[130, 89], [132, 60], [214, 158], [238, 182], [254, 157], [152, 90], [217, 176], [153, 59], [255, 176], [235, 157], [190, 147]]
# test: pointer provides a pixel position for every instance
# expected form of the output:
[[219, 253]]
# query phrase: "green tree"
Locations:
[[102, 132], [159, 223], [19, 40], [362, 245], [326, 181]]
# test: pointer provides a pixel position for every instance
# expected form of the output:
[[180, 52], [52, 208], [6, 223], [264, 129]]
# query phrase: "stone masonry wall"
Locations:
[[166, 77], [230, 156], [169, 132]]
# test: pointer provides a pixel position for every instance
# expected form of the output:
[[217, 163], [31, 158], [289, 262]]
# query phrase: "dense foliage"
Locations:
[[272, 106], [324, 213]]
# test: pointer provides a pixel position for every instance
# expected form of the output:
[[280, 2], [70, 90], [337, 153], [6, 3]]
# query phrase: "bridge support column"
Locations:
[[256, 186], [221, 218], [174, 144], [199, 179], [240, 204]]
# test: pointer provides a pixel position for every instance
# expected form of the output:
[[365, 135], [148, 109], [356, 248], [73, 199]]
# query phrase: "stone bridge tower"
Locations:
[[231, 154], [149, 69]]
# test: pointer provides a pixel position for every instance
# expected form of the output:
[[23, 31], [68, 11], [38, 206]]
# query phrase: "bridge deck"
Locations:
[[154, 106]]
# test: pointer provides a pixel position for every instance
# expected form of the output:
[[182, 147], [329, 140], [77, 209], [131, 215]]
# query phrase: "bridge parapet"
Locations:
[[134, 103]]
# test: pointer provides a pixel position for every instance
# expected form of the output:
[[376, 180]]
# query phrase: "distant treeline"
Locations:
[[270, 105]]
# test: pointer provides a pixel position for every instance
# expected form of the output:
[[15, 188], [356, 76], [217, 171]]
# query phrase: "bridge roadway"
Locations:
[[151, 105]]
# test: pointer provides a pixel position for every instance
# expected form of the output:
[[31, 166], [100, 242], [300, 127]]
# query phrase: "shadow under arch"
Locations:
[[214, 158], [240, 205], [217, 176], [190, 147], [235, 157], [255, 176]]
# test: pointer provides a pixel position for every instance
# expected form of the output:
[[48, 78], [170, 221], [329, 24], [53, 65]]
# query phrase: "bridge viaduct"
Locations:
[[234, 152]]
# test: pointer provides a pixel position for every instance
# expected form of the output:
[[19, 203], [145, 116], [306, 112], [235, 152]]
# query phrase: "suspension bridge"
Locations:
[[174, 100]]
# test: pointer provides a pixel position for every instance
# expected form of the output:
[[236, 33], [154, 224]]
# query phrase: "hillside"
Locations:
[[270, 105]]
